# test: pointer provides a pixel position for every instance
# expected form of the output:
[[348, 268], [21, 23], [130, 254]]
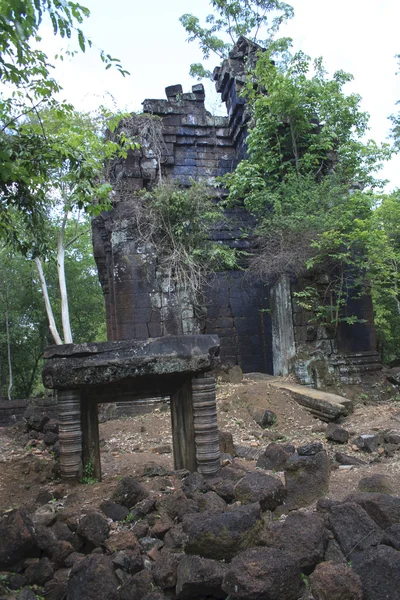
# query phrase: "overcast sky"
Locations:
[[359, 36]]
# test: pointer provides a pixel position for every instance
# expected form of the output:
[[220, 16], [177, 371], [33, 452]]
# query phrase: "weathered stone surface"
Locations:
[[165, 570], [338, 434], [129, 492], [302, 534], [17, 537], [226, 443], [114, 511], [368, 442], [194, 482], [310, 449], [379, 571], [264, 418], [354, 529], [39, 572], [375, 483], [138, 586], [93, 579], [259, 487], [331, 581], [162, 525], [94, 529], [124, 539], [345, 459], [265, 573], [35, 419], [26, 594], [209, 502], [221, 536], [384, 509], [199, 577], [306, 479], [176, 505], [275, 457], [75, 365]]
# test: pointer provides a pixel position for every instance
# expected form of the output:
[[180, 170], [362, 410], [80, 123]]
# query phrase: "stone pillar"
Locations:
[[205, 425], [182, 428], [283, 344], [90, 437], [69, 418]]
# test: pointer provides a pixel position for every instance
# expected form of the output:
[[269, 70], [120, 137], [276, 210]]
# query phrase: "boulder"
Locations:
[[353, 528], [224, 484], [226, 443], [259, 487], [50, 438], [94, 529], [379, 571], [221, 536], [164, 570], [161, 526], [266, 573], [176, 505], [275, 456], [26, 594], [306, 479], [129, 492], [93, 579], [332, 581], [138, 586], [209, 502], [130, 560], [345, 459], [113, 511], [35, 419], [369, 442], [17, 535], [375, 483], [302, 534], [263, 418], [335, 433], [39, 572], [199, 577], [384, 509], [124, 539], [194, 482]]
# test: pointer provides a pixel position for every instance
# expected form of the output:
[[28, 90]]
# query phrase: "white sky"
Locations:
[[359, 36]]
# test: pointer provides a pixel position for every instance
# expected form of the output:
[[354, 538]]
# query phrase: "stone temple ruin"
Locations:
[[261, 327], [159, 344]]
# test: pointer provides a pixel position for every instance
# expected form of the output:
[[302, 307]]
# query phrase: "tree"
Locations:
[[231, 19], [25, 155]]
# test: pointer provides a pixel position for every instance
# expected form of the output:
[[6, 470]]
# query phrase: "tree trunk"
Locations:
[[63, 289], [10, 373], [49, 310]]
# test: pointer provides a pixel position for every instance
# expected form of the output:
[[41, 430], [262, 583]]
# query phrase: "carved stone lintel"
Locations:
[[205, 425], [69, 417]]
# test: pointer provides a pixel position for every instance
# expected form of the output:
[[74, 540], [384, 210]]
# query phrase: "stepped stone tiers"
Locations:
[[261, 326], [85, 375]]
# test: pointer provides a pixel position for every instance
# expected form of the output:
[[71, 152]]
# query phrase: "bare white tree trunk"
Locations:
[[10, 373], [62, 283], [49, 310]]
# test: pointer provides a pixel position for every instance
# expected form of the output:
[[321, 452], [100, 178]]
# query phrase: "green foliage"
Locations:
[[177, 221], [88, 477], [230, 20]]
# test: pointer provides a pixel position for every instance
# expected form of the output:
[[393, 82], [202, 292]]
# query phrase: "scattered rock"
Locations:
[[353, 528], [379, 571], [162, 449], [259, 487], [345, 459], [226, 443], [306, 479], [26, 594], [275, 457], [129, 492], [113, 511], [94, 529], [332, 581], [338, 434], [124, 539], [221, 536], [384, 509], [17, 535], [35, 419], [176, 505], [165, 571], [194, 482], [137, 587], [199, 577], [263, 418], [209, 502], [310, 449], [368, 442], [93, 579], [50, 438], [263, 573], [161, 526], [375, 483], [39, 572]]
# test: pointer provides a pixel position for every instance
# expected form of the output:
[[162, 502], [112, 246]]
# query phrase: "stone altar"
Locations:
[[85, 375]]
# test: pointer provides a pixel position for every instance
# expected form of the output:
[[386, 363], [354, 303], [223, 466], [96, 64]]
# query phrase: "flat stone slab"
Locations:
[[324, 405], [73, 366]]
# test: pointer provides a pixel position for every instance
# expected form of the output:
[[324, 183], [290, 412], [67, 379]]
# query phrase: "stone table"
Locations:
[[85, 375]]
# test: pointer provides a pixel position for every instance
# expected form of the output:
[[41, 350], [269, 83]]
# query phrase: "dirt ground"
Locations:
[[128, 445]]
